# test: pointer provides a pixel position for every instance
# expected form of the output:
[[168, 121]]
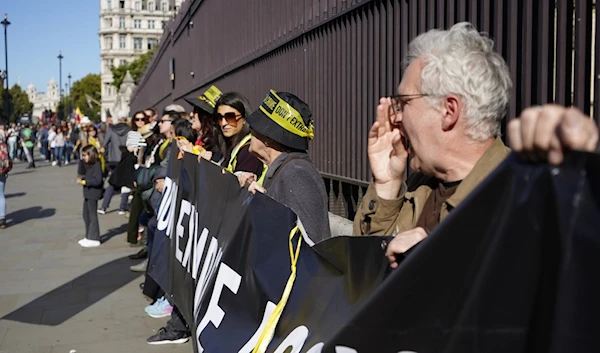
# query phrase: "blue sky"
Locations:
[[39, 29]]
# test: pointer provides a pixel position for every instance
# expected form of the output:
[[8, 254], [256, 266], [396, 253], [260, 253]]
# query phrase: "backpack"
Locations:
[[6, 163]]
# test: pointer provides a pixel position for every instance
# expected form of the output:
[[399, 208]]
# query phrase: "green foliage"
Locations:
[[20, 104], [89, 85], [136, 68]]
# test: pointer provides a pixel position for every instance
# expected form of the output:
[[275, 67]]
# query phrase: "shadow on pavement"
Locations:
[[30, 213], [113, 232], [16, 194], [68, 300], [27, 171]]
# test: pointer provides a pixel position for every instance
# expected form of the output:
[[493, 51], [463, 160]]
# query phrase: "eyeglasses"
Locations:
[[139, 119], [400, 100], [231, 118]]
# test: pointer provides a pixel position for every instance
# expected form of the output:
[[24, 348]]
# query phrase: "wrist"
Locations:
[[389, 190]]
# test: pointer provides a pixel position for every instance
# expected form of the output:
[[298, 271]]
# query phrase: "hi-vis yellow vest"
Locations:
[[233, 160]]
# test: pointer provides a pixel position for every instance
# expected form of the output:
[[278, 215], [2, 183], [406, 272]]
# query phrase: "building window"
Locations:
[[138, 5], [151, 24], [152, 43], [137, 23], [108, 43], [122, 4], [122, 44], [165, 6], [137, 43], [121, 22], [108, 4], [108, 22], [151, 6]]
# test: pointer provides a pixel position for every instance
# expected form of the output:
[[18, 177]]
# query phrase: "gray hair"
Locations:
[[462, 61], [175, 108]]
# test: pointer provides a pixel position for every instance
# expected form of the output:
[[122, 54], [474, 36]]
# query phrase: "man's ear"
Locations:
[[452, 106]]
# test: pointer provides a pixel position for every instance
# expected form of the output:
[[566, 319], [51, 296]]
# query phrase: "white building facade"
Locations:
[[43, 100], [128, 29]]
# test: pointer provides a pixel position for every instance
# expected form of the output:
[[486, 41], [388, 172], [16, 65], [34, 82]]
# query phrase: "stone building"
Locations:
[[128, 29], [43, 100]]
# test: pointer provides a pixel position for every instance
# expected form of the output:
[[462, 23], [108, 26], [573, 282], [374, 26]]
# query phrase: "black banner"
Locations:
[[511, 270]]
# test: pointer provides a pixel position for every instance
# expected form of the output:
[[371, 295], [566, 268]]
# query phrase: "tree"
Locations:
[[136, 68], [20, 104], [89, 85]]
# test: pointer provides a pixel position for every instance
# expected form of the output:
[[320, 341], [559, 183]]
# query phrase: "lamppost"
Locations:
[[60, 57], [69, 95], [6, 107]]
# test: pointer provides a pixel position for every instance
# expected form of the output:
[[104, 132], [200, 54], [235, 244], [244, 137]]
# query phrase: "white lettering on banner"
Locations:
[[317, 348], [185, 209], [249, 346], [226, 277], [192, 232], [211, 262], [295, 340], [198, 251], [164, 210]]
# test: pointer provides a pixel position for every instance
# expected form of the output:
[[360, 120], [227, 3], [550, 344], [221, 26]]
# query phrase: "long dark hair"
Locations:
[[134, 127], [183, 128], [210, 135], [91, 151], [242, 105]]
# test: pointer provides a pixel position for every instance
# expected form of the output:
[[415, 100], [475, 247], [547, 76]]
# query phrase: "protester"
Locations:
[[28, 143], [59, 147], [70, 141], [12, 140], [91, 179], [449, 111], [116, 139], [292, 178], [5, 167], [92, 139], [209, 137], [230, 112]]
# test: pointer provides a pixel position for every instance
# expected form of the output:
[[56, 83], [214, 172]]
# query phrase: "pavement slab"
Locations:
[[56, 296]]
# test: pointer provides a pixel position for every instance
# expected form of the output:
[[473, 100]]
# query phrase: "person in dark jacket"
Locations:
[[114, 142], [92, 181], [292, 178]]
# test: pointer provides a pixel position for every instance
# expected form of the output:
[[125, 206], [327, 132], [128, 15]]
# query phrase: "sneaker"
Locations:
[[66, 163], [141, 267], [161, 308], [87, 243], [54, 164], [2, 223], [121, 212], [101, 211], [167, 337]]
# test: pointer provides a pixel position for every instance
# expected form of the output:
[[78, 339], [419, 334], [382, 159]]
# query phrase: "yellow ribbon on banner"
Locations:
[[267, 335], [286, 116]]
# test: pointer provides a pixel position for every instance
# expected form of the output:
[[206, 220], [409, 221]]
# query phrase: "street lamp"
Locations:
[[69, 99], [6, 107], [60, 57]]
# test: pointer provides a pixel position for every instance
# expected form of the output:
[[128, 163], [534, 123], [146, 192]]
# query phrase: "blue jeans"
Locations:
[[2, 198], [12, 149], [68, 151], [58, 154], [108, 194]]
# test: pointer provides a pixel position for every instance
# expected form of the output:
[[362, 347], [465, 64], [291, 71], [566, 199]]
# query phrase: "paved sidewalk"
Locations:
[[55, 296]]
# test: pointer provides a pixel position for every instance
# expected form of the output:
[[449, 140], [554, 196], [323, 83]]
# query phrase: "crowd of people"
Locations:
[[447, 116]]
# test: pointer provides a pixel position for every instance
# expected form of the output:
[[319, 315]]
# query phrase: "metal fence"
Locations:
[[340, 56]]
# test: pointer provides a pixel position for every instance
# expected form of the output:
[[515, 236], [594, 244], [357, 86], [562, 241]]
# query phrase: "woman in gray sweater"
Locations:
[[281, 129]]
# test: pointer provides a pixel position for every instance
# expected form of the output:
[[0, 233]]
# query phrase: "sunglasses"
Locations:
[[139, 119], [164, 120], [230, 118]]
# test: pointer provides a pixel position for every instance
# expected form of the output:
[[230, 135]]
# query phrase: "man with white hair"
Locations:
[[450, 104]]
